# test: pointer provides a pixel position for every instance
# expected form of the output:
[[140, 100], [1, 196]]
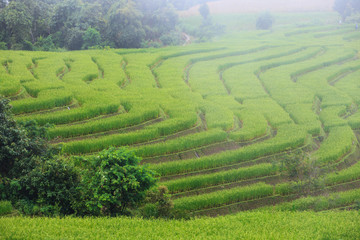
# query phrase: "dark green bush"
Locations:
[[5, 207], [52, 185], [158, 204]]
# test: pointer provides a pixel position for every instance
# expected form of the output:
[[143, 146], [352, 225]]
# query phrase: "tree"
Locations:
[[16, 20], [204, 11], [355, 5], [159, 17], [343, 7], [91, 38], [74, 38], [31, 176], [116, 181], [264, 21], [124, 27], [18, 144], [50, 188]]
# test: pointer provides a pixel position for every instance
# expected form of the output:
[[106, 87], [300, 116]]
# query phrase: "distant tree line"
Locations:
[[83, 24], [346, 7], [186, 4]]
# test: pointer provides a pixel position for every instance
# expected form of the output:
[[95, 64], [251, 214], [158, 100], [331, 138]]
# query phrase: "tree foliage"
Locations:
[[125, 28], [91, 38], [18, 144], [120, 23], [31, 176], [346, 7], [50, 188], [204, 11], [208, 29], [116, 181]]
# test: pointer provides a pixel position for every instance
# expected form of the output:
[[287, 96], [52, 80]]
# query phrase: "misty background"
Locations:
[[61, 25], [255, 6]]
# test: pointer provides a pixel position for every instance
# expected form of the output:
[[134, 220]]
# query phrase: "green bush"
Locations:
[[3, 46], [51, 188], [5, 207], [18, 143], [158, 204], [91, 38], [171, 39], [45, 44], [115, 181]]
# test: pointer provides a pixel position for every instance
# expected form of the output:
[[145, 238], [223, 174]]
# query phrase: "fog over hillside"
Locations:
[[234, 6]]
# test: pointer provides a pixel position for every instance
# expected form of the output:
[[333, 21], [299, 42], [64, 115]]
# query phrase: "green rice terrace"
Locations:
[[214, 120]]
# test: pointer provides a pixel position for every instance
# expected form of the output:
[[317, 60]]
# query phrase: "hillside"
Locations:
[[249, 6], [218, 121]]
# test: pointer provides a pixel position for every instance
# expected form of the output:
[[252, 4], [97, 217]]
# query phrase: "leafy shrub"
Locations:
[[158, 204], [5, 207], [115, 182], [27, 45], [3, 46], [16, 142], [51, 185], [91, 38], [171, 39], [45, 44]]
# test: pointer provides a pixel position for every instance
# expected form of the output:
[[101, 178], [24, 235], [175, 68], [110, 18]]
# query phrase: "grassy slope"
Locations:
[[249, 225], [246, 6]]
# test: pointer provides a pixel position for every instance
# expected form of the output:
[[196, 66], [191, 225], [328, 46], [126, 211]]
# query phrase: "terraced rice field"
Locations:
[[211, 119]]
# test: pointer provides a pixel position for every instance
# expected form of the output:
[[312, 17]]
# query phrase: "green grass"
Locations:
[[202, 181], [182, 143], [218, 198], [320, 203], [288, 137], [247, 225]]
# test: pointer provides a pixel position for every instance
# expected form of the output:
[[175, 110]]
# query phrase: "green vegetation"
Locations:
[[190, 183], [5, 207], [114, 181], [284, 140], [223, 197], [48, 25], [321, 203], [252, 119], [248, 225]]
